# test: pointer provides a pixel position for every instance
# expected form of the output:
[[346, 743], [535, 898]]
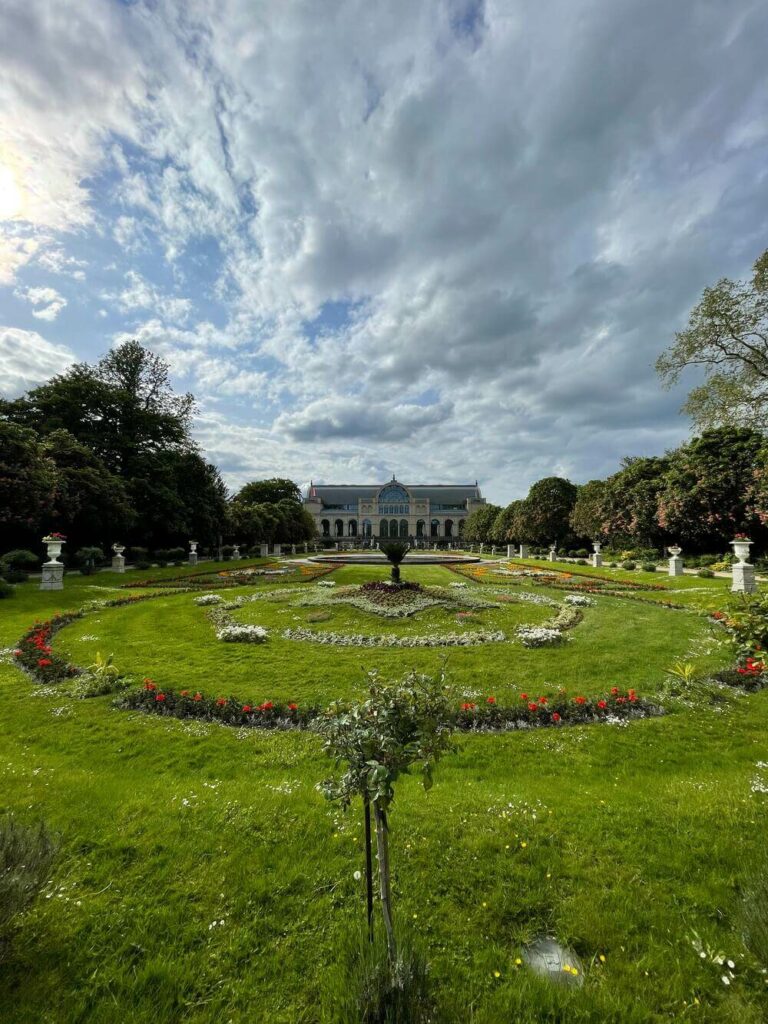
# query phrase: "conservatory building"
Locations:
[[366, 513]]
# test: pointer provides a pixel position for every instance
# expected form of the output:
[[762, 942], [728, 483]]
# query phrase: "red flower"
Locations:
[[149, 685], [221, 701], [621, 700], [160, 696], [523, 696], [17, 653], [198, 696], [293, 707], [602, 704], [246, 708], [580, 700], [266, 706], [632, 698], [491, 700], [185, 693], [542, 700], [614, 690], [44, 662], [468, 707], [555, 717], [533, 707]]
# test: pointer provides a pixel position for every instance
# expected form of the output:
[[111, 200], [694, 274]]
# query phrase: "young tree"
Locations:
[[399, 727], [727, 335], [478, 526]]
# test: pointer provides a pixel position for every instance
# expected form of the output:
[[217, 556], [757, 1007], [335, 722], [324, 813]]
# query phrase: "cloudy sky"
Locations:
[[445, 239]]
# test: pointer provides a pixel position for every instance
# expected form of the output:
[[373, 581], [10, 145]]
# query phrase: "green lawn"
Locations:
[[622, 840]]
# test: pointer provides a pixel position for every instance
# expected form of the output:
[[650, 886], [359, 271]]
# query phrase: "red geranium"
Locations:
[[614, 690], [221, 701], [602, 704], [185, 693], [533, 707], [17, 653], [160, 696], [468, 707], [266, 706], [198, 696], [580, 700], [523, 696], [555, 717], [44, 662], [491, 700], [293, 707], [542, 700], [246, 708]]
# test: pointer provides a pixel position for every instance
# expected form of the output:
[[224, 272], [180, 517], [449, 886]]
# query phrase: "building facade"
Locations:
[[370, 512]]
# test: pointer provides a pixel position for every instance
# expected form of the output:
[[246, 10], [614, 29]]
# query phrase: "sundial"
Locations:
[[545, 956]]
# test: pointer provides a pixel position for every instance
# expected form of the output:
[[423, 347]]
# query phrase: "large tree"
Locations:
[[478, 526], [546, 512], [587, 517], [727, 336], [508, 524], [631, 500], [27, 482], [269, 492], [708, 486]]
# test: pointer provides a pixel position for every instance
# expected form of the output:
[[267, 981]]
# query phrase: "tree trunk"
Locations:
[[382, 843], [368, 870]]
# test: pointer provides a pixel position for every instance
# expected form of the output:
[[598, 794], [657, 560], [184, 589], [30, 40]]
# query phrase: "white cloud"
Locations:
[[141, 294], [27, 359], [49, 302]]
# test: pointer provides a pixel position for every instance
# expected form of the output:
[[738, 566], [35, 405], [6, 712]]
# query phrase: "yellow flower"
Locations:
[[497, 974], [523, 845], [518, 961], [601, 958], [485, 904]]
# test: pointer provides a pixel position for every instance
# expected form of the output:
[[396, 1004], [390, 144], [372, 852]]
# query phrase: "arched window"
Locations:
[[366, 527], [352, 528], [403, 529], [383, 529], [434, 528], [392, 527], [339, 525], [325, 526], [448, 527], [420, 528]]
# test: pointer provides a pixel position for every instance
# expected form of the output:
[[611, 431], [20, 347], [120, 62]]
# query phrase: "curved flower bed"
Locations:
[[386, 640], [238, 633], [488, 716]]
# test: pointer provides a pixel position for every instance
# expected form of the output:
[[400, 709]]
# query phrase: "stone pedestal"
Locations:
[[524, 552], [510, 550], [236, 552], [552, 556], [118, 563], [192, 558], [493, 550], [481, 549], [53, 576], [306, 548], [293, 549], [676, 566], [743, 578], [264, 550], [597, 560]]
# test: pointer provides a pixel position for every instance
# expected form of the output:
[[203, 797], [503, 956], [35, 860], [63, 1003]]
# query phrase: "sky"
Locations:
[[445, 240]]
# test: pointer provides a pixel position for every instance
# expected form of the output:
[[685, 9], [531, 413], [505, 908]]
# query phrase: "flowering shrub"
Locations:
[[482, 716], [538, 636], [327, 583], [385, 640], [208, 599], [580, 600], [239, 633]]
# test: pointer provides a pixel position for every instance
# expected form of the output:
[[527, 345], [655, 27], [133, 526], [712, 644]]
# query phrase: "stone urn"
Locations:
[[118, 561], [52, 577], [54, 545], [741, 547], [675, 561], [597, 558], [675, 551]]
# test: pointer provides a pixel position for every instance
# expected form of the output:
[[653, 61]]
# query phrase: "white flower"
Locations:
[[357, 876], [579, 599], [243, 634], [209, 599]]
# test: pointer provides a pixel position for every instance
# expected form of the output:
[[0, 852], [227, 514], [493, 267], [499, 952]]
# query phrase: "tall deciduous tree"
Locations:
[[587, 517], [727, 336], [27, 482], [546, 513], [631, 500], [509, 523], [269, 492], [708, 487], [478, 526]]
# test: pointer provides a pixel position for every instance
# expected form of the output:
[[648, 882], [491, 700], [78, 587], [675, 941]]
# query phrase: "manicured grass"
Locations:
[[623, 841]]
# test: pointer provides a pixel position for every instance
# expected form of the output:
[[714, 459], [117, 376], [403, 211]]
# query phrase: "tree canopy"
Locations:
[[727, 336]]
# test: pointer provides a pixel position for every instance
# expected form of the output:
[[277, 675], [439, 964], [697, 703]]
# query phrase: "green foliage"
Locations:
[[88, 558], [399, 726], [269, 492], [479, 525], [103, 668], [706, 494], [509, 524], [754, 912], [648, 566], [26, 857], [587, 518], [546, 512], [6, 589], [20, 559], [630, 501], [727, 335], [705, 574], [629, 565], [27, 478], [394, 551]]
